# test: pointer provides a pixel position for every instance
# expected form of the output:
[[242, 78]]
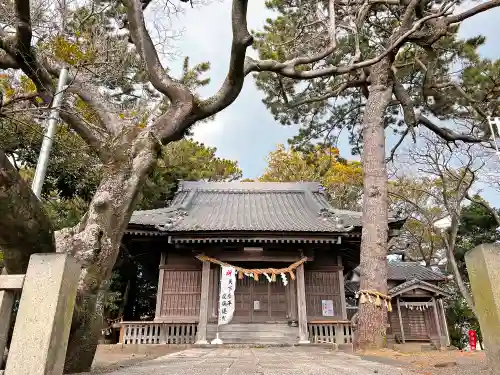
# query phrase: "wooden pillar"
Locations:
[[159, 292], [445, 324], [438, 325], [301, 305], [343, 303], [401, 321], [205, 287]]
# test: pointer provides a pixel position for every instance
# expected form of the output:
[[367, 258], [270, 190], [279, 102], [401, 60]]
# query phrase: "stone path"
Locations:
[[265, 361]]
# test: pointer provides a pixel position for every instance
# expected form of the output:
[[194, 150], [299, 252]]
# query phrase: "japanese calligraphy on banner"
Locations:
[[226, 298]]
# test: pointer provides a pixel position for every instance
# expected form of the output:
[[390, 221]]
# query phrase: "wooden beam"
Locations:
[[436, 318], [201, 338], [249, 256], [401, 321], [11, 282], [445, 324], [343, 303], [301, 304], [122, 333], [159, 292]]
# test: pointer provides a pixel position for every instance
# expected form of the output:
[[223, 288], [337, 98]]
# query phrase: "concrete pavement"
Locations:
[[265, 361]]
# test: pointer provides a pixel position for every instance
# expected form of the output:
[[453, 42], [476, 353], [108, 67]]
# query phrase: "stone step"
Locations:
[[273, 334]]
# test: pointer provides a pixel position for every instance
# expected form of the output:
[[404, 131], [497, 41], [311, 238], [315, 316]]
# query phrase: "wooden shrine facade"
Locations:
[[418, 313], [251, 225]]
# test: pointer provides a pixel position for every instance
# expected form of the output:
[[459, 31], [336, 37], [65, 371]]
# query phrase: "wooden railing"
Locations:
[[158, 333], [339, 332]]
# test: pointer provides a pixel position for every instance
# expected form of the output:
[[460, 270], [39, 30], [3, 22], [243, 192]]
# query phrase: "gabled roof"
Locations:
[[402, 271], [250, 206], [417, 284], [399, 271]]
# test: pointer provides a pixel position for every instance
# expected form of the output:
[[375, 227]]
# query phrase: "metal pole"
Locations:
[[43, 158]]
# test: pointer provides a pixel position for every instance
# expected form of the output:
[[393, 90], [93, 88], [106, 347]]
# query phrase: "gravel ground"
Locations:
[[422, 363], [109, 358], [435, 362]]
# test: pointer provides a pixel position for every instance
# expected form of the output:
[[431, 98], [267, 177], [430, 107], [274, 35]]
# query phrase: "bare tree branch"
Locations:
[[447, 134], [390, 158], [91, 97], [472, 12], [331, 94], [233, 83], [174, 90], [406, 103], [23, 29], [289, 68], [90, 133]]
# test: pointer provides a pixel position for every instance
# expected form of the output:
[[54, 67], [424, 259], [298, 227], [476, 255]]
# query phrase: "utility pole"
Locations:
[[48, 139]]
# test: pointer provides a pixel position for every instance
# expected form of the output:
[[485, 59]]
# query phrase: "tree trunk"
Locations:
[[95, 241], [25, 229], [373, 265]]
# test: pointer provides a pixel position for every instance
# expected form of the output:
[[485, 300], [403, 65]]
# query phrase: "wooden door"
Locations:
[[260, 301], [260, 306], [414, 324], [243, 301]]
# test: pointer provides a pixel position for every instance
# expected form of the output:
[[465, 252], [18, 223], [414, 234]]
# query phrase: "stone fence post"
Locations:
[[483, 266], [43, 322]]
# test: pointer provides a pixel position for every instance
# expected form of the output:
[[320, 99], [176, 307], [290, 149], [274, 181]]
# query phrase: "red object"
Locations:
[[472, 339]]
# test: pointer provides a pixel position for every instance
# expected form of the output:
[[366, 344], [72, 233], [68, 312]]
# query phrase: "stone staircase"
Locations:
[[255, 333]]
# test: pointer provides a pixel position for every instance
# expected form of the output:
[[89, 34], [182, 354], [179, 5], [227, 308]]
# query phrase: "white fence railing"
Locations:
[[158, 333], [330, 332]]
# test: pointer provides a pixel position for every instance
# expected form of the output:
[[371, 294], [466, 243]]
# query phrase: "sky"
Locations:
[[246, 131]]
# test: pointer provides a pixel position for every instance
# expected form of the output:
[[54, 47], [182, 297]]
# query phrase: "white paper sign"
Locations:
[[226, 298], [327, 307]]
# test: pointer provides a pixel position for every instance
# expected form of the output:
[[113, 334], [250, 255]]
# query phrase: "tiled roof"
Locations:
[[416, 283], [412, 270], [402, 271], [249, 206]]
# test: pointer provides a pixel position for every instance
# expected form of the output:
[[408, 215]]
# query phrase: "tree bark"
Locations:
[[373, 264], [95, 241], [25, 229]]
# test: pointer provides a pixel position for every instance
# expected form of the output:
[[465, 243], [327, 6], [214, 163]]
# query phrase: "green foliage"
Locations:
[[323, 113], [342, 179], [72, 177], [477, 226], [460, 319], [185, 160]]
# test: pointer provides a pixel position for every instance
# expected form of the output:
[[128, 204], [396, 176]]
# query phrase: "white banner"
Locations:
[[226, 297]]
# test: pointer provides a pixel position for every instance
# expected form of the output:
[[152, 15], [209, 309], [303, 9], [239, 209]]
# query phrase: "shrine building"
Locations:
[[291, 251]]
